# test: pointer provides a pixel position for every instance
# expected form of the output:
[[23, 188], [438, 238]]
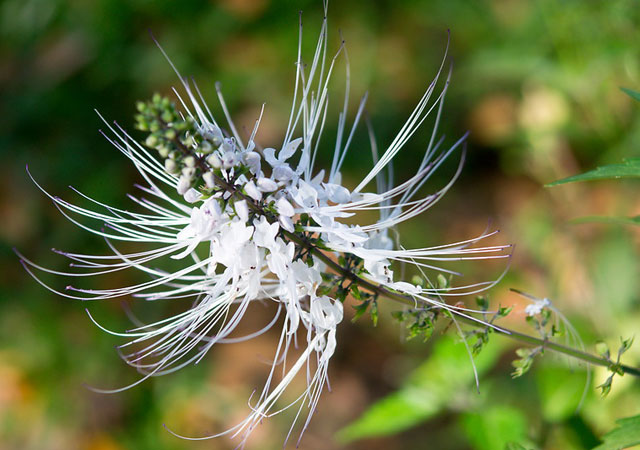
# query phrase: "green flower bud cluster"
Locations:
[[176, 140]]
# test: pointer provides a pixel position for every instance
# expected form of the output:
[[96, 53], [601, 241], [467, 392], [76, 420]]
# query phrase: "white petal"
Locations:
[[192, 195], [242, 210], [286, 223], [269, 156], [284, 207], [266, 184], [289, 149], [183, 184], [252, 191]]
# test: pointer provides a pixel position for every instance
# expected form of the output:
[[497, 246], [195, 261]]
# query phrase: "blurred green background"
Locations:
[[537, 83]]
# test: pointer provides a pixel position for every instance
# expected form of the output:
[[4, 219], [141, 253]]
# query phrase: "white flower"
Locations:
[[229, 263], [281, 170], [537, 306]]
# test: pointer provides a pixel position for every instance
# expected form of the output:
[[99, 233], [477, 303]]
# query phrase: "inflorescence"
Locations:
[[251, 224]]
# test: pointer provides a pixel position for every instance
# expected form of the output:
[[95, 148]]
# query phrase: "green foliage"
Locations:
[[419, 322], [496, 427], [633, 94], [626, 435], [614, 368], [481, 335], [525, 360], [629, 168], [429, 389]]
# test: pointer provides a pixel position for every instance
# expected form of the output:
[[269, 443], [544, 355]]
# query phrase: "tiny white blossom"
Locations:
[[537, 306]]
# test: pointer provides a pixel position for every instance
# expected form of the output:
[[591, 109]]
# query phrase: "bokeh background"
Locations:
[[536, 83]]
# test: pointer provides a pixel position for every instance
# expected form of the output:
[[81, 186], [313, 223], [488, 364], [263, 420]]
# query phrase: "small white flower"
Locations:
[[252, 160], [281, 169], [537, 306]]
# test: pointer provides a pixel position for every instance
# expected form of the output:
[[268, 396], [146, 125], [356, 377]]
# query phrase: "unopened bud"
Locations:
[[163, 151], [214, 161], [170, 134], [216, 141], [209, 179], [167, 116], [192, 195], [188, 172], [170, 166], [266, 184], [184, 184], [189, 161], [252, 191], [151, 141], [205, 147]]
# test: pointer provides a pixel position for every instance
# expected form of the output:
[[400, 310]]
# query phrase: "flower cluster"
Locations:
[[252, 224]]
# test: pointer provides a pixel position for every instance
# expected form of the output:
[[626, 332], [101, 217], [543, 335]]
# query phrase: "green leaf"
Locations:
[[633, 94], [626, 435], [629, 168], [612, 220], [496, 427], [428, 390]]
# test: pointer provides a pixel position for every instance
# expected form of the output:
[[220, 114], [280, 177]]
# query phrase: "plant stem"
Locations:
[[515, 335], [410, 301]]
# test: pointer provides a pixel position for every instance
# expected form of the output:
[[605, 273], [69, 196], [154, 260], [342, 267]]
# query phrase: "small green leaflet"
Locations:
[[626, 435], [629, 168], [633, 94]]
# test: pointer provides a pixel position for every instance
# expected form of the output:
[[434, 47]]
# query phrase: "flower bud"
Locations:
[[214, 161], [189, 161], [266, 184], [192, 195], [242, 210], [284, 207], [163, 151], [184, 184], [209, 179], [252, 191], [188, 172], [151, 141], [170, 166], [167, 116], [170, 134], [205, 147]]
